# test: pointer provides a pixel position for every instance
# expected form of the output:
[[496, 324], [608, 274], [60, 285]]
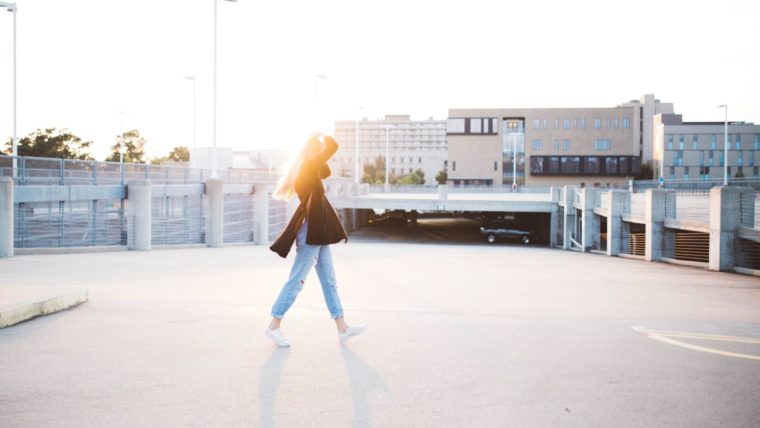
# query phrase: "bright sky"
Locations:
[[82, 61]]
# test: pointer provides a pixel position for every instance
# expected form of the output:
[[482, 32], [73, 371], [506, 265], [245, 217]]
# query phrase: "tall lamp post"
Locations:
[[725, 144], [213, 153], [12, 8], [121, 145], [192, 79], [387, 153]]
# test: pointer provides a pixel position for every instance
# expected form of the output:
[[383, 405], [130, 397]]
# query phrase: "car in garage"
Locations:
[[492, 233]]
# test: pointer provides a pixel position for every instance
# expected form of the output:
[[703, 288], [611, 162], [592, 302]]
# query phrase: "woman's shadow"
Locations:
[[269, 381], [363, 382]]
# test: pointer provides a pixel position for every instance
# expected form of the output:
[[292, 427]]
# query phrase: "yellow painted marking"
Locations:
[[667, 337]]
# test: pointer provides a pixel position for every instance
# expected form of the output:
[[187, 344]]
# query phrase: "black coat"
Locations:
[[324, 225]]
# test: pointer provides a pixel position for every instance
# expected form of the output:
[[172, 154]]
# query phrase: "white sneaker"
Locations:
[[277, 337], [352, 331]]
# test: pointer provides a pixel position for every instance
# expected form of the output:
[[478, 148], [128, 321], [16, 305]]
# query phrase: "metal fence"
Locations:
[[69, 224], [238, 217], [51, 172], [177, 220], [702, 186]]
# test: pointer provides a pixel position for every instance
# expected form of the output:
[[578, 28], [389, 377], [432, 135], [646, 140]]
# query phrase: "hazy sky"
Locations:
[[82, 61]]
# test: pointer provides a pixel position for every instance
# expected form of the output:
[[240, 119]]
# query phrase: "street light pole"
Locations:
[[12, 8], [192, 78], [725, 144], [213, 153]]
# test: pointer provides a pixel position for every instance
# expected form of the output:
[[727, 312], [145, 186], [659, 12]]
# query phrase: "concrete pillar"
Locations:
[[139, 199], [261, 213], [725, 217], [443, 191], [215, 219], [654, 222], [589, 222], [569, 214], [615, 206], [6, 217]]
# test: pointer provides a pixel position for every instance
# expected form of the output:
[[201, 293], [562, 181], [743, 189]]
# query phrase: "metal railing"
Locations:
[[50, 172], [694, 186]]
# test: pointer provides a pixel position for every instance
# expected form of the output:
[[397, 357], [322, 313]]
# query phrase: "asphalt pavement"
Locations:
[[461, 333]]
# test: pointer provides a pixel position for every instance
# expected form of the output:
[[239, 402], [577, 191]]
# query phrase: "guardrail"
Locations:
[[30, 170]]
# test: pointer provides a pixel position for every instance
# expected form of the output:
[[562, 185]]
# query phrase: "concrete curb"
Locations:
[[16, 314]]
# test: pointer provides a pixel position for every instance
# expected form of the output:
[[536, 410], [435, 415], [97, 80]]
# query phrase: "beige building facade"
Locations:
[[696, 150], [408, 144], [551, 146]]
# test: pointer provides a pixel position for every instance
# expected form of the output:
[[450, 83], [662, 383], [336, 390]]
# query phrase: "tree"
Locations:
[[374, 173], [52, 143], [646, 173], [178, 154], [415, 178], [134, 147], [441, 177]]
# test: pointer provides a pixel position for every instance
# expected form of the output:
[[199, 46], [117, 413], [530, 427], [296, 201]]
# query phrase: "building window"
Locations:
[[686, 173], [701, 158], [608, 123], [738, 141], [616, 123], [538, 145], [575, 123], [546, 123], [601, 145], [583, 123], [556, 145], [704, 172], [622, 165], [670, 141], [672, 172], [556, 123], [722, 160], [592, 165], [740, 159], [536, 123], [626, 123], [554, 164], [566, 145], [536, 164], [597, 123], [756, 146], [694, 142], [476, 126], [419, 160], [611, 165], [495, 165], [455, 126], [751, 159], [713, 142], [754, 172], [680, 142], [454, 165]]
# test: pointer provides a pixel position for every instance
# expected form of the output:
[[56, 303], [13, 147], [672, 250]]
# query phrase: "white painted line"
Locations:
[[667, 337]]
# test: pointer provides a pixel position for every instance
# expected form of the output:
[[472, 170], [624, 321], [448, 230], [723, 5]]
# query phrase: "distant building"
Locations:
[[551, 146], [695, 150], [226, 158], [412, 144]]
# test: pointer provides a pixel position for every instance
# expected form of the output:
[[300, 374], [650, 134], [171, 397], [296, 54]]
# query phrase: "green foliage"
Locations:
[[178, 154], [374, 173], [415, 178], [441, 177], [134, 146], [52, 143]]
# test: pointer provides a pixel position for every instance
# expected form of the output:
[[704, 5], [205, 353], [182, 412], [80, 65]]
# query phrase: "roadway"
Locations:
[[459, 335]]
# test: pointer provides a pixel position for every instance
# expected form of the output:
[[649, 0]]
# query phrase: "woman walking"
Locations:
[[314, 226]]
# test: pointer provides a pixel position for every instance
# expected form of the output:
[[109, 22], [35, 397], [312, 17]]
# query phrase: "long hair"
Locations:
[[286, 185]]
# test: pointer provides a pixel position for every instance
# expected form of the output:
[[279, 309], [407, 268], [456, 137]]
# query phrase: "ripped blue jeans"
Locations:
[[306, 257]]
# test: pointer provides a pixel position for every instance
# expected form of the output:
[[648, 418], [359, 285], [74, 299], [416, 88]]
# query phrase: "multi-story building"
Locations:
[[695, 150], [409, 144], [589, 146]]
